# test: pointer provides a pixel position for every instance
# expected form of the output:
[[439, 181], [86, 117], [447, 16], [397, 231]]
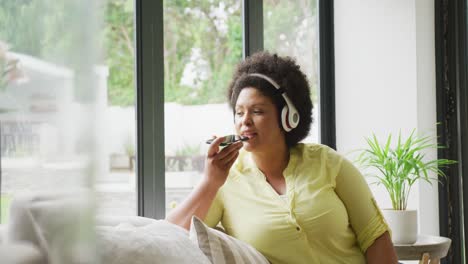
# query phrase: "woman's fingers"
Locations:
[[231, 160], [214, 146], [226, 157], [222, 160], [218, 163], [227, 151]]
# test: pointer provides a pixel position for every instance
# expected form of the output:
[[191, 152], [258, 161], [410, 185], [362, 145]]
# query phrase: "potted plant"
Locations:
[[129, 147], [397, 169]]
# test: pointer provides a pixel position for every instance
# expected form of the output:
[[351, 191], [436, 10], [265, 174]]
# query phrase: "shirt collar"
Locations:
[[246, 163]]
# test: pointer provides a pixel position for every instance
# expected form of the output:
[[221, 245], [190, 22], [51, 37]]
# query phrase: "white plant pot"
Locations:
[[404, 225]]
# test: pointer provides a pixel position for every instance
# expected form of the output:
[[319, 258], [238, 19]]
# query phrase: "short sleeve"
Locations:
[[215, 213], [364, 214]]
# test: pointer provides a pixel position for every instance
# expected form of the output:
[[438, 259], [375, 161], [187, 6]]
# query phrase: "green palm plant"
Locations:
[[400, 167]]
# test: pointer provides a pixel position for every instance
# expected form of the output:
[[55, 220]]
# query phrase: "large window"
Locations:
[[70, 112], [67, 95]]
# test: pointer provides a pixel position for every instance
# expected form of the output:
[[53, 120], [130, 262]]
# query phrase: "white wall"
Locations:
[[385, 82], [427, 115]]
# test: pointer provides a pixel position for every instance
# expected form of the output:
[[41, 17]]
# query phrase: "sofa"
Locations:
[[61, 227], [58, 228]]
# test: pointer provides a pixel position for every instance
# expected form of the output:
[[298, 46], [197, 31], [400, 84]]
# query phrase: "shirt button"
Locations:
[[298, 228]]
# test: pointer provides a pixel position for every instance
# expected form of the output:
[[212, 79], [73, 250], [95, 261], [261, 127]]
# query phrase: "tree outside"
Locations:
[[202, 45], [202, 41], [291, 28]]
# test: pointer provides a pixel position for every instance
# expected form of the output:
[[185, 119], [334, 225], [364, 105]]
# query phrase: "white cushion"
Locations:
[[62, 228], [112, 220], [152, 241], [2, 233], [221, 248], [58, 224], [21, 253]]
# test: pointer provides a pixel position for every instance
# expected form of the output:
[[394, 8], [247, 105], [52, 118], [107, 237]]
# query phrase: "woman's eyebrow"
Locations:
[[254, 105]]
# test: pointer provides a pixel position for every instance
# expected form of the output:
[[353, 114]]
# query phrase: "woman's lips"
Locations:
[[249, 135]]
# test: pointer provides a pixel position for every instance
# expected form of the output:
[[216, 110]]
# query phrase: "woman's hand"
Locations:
[[217, 165], [218, 162]]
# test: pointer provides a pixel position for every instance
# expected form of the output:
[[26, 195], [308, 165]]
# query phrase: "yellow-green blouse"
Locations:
[[329, 215]]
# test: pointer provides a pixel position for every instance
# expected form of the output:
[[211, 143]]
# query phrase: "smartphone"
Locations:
[[229, 140]]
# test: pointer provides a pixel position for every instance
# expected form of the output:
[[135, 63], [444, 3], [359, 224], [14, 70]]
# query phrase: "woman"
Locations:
[[294, 202]]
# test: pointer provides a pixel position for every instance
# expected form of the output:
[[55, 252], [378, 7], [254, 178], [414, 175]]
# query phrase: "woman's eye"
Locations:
[[257, 112], [239, 113]]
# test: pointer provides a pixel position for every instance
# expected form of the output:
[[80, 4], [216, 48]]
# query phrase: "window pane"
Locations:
[[67, 102], [52, 86], [116, 184], [202, 45], [291, 29]]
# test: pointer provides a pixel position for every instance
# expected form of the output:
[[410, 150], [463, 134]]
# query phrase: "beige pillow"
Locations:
[[221, 248], [157, 241], [21, 253], [58, 223]]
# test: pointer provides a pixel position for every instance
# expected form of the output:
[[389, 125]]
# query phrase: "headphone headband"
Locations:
[[268, 79]]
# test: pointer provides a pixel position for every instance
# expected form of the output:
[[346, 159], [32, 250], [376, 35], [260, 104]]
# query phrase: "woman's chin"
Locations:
[[248, 146]]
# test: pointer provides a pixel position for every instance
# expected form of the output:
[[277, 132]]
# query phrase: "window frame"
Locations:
[[149, 33], [150, 169], [452, 116]]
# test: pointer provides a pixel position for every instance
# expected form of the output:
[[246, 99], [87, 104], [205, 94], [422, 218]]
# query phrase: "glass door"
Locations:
[[202, 45]]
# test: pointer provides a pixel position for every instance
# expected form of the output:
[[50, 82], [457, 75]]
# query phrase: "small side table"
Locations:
[[427, 249]]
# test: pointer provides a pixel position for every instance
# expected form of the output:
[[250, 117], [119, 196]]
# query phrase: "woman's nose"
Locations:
[[244, 119], [247, 120]]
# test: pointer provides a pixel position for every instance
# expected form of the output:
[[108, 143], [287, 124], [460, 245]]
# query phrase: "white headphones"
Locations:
[[289, 114]]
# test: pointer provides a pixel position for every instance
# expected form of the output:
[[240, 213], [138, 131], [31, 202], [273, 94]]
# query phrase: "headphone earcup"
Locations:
[[293, 117], [284, 119]]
